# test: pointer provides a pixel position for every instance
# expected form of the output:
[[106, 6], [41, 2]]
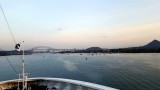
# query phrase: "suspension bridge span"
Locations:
[[46, 49]]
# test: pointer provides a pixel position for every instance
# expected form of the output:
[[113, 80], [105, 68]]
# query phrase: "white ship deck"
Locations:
[[55, 84]]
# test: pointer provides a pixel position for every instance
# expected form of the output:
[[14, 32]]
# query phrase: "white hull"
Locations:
[[58, 83]]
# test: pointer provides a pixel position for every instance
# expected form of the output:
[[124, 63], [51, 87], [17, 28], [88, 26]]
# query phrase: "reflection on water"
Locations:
[[70, 66], [122, 71]]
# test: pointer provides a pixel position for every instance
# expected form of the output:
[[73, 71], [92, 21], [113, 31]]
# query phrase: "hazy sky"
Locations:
[[80, 23]]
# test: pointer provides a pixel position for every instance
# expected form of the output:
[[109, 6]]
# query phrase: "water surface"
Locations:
[[122, 71]]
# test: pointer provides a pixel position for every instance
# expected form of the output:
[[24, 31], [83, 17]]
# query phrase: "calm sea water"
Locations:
[[121, 71]]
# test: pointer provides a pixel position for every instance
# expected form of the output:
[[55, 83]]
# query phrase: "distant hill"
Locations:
[[155, 44], [151, 47], [94, 49]]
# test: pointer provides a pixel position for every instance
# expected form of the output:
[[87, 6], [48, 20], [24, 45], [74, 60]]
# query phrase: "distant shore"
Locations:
[[151, 47], [111, 51]]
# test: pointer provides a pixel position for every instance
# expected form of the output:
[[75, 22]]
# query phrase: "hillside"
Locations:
[[155, 44], [151, 47]]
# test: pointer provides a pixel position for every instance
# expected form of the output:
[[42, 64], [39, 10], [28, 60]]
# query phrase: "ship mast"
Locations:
[[24, 75], [23, 72], [17, 47]]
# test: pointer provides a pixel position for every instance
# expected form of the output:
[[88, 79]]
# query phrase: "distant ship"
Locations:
[[45, 83]]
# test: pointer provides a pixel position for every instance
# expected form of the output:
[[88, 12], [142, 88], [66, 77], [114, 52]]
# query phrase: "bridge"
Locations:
[[46, 49]]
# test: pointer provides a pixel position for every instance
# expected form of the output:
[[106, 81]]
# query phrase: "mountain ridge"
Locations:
[[151, 47], [154, 44]]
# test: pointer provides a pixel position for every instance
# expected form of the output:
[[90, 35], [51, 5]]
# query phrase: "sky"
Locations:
[[80, 23]]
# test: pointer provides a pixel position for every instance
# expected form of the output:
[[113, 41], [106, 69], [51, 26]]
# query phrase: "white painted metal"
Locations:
[[67, 87], [70, 81]]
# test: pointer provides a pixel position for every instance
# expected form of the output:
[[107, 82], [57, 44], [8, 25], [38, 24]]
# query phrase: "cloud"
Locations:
[[59, 29], [129, 35], [104, 36]]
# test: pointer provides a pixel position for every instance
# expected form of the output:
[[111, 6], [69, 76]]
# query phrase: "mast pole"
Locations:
[[23, 72], [19, 75], [23, 68], [23, 76]]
